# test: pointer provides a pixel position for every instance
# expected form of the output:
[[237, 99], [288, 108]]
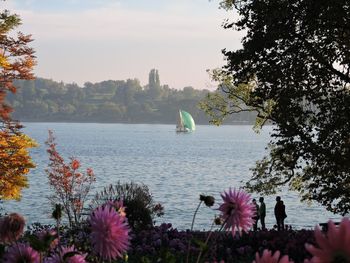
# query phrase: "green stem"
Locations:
[[189, 242], [195, 213], [58, 231], [208, 237]]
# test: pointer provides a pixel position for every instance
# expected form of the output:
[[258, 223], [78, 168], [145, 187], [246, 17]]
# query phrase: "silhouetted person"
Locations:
[[280, 213], [256, 217], [262, 212], [284, 215]]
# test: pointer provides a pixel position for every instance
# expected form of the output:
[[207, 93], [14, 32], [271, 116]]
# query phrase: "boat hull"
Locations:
[[182, 130]]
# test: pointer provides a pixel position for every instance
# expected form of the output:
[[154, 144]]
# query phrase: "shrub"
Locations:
[[71, 187], [140, 207]]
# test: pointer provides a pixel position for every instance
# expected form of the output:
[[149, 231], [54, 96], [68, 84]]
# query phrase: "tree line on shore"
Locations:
[[114, 101]]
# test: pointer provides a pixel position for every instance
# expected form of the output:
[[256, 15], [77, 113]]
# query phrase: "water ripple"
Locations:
[[176, 167]]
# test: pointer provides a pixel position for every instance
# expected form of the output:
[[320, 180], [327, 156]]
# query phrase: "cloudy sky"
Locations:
[[95, 40]]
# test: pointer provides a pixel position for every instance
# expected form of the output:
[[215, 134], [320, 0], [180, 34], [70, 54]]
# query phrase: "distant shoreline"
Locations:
[[156, 123]]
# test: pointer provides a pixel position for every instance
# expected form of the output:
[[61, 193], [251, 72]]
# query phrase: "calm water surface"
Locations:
[[176, 167]]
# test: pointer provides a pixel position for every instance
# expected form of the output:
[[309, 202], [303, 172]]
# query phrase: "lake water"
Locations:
[[176, 167]]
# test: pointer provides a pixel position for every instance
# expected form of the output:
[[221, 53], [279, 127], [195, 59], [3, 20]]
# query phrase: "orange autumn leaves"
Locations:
[[16, 62], [16, 59], [70, 186], [4, 63], [15, 163]]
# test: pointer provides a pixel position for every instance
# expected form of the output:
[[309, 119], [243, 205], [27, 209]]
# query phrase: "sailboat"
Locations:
[[185, 122]]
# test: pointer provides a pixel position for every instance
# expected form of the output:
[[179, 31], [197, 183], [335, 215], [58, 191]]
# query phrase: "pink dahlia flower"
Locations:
[[21, 253], [109, 233], [333, 247], [267, 257], [237, 210], [11, 228], [76, 258]]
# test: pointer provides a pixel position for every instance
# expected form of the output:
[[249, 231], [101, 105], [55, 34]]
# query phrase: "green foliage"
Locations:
[[227, 4], [229, 99], [203, 246], [8, 21], [41, 245], [107, 101], [294, 70], [164, 256], [139, 205], [153, 79]]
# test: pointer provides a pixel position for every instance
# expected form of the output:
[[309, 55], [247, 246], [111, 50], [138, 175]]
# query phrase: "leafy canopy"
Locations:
[[16, 62], [293, 70]]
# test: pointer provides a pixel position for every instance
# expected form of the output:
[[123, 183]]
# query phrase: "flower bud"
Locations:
[[75, 164], [57, 213], [207, 199], [218, 221]]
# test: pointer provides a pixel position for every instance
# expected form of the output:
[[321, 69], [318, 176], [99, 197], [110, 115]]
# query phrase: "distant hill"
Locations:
[[114, 101]]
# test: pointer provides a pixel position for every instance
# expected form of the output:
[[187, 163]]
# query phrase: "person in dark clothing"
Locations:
[[262, 213], [284, 215], [280, 213], [256, 217]]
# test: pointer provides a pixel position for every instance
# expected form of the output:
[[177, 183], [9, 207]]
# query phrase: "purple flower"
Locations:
[[58, 257], [21, 253]]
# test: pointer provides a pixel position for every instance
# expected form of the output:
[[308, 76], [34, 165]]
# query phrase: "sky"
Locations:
[[95, 40]]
